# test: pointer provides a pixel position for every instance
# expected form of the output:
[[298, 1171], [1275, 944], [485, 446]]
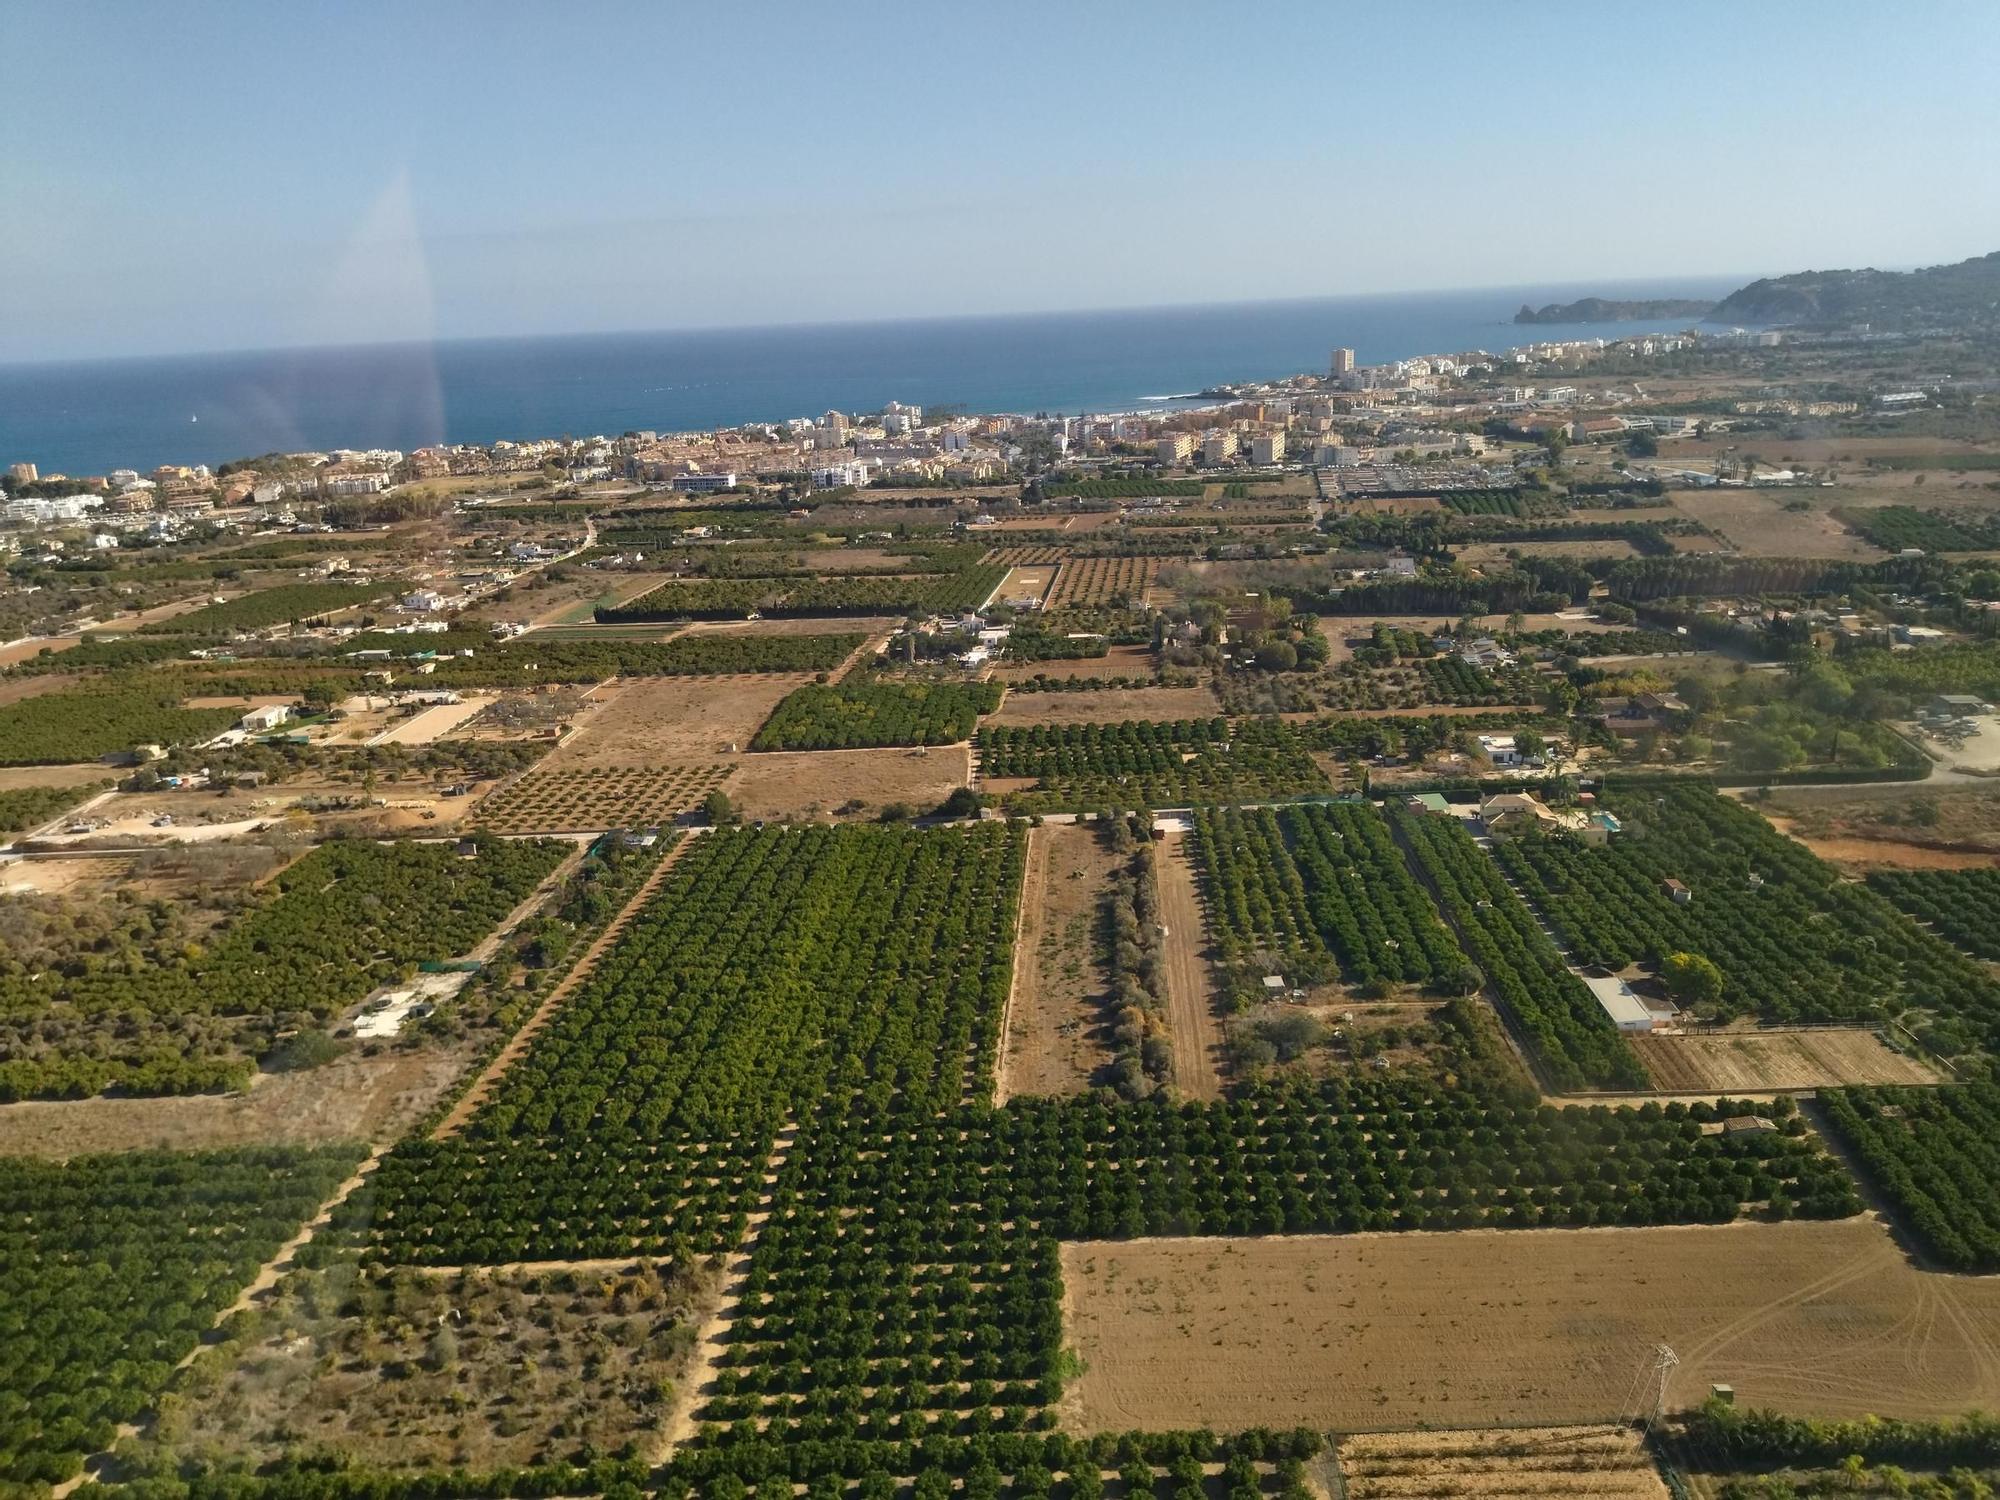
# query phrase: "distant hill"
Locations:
[[1966, 295], [1606, 310]]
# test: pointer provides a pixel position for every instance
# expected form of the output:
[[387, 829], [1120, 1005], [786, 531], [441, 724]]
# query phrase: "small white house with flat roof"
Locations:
[[1630, 1011]]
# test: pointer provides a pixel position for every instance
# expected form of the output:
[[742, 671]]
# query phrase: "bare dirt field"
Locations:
[[1028, 581], [1760, 525], [660, 720], [356, 1097], [433, 723], [1605, 1462], [59, 877], [1880, 851], [1496, 1327], [842, 625], [16, 689], [1107, 706], [14, 778], [1118, 661], [796, 785], [1055, 1041], [1874, 828], [1734, 1062], [1191, 1017]]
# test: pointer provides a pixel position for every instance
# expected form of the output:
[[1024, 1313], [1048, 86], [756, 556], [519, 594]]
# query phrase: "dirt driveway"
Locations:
[[1197, 1031]]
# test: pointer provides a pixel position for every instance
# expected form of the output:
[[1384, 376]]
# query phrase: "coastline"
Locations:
[[88, 417]]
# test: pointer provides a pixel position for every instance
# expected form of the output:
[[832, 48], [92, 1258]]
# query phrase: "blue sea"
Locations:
[[90, 417]]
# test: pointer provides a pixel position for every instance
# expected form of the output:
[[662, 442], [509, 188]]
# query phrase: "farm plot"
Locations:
[[1055, 1042], [267, 607], [887, 1241], [1749, 1061], [1028, 581], [672, 721], [1935, 1155], [1025, 557], [803, 785], [1487, 1327], [355, 1097], [1134, 663], [94, 721], [1895, 527], [346, 918], [1554, 1014], [1106, 705], [1321, 881], [402, 1369], [27, 807], [1150, 764], [869, 712], [1085, 582], [597, 797], [117, 1266], [1758, 523], [1960, 906], [1605, 1462], [776, 970], [1793, 941], [737, 598]]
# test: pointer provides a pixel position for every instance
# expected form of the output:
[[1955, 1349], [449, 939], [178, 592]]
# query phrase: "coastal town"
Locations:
[[1351, 417], [1420, 928]]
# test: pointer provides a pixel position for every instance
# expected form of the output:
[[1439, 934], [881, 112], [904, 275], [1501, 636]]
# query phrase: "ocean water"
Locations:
[[90, 417]]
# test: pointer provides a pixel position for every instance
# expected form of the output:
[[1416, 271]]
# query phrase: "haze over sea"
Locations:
[[90, 417]]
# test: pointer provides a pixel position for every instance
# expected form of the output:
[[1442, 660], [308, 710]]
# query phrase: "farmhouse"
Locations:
[[1630, 1012], [259, 720], [1675, 892], [1508, 814]]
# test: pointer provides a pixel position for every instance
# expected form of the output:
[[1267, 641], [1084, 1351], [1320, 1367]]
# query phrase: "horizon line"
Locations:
[[1133, 309]]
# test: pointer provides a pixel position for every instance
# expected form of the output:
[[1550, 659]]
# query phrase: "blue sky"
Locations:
[[228, 175]]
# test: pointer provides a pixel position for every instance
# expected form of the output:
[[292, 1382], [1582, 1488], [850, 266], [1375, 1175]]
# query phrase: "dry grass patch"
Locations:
[[800, 785], [1593, 1463], [1107, 706], [14, 778], [1503, 1327], [1751, 1061], [370, 1095], [656, 721], [1759, 523], [1118, 661], [403, 1369]]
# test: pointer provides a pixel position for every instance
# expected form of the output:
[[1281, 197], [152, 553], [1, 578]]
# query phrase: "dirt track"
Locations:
[[1500, 1327], [1190, 995]]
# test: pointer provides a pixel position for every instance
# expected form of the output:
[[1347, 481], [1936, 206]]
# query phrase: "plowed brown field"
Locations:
[[1751, 1061], [1502, 1327]]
